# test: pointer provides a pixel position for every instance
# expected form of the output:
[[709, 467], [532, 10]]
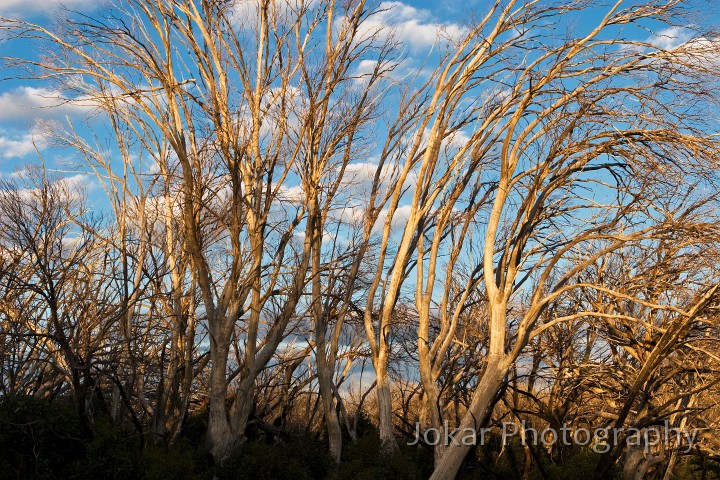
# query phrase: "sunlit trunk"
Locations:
[[220, 439], [243, 406], [449, 465], [431, 418], [332, 421], [385, 409]]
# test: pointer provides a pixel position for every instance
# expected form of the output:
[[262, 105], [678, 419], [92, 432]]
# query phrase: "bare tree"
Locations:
[[567, 124], [55, 292], [501, 178], [181, 88]]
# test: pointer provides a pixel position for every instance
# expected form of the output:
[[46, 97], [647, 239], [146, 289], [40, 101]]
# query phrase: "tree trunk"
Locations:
[[334, 431], [430, 417], [332, 422], [385, 410], [449, 465], [637, 463], [243, 406], [220, 440]]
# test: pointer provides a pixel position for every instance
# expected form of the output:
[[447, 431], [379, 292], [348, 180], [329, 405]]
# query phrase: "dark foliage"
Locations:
[[41, 439]]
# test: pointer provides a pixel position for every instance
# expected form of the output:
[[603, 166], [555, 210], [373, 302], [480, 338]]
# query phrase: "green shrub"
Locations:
[[365, 459], [111, 454], [302, 458], [180, 462], [38, 439], [691, 467]]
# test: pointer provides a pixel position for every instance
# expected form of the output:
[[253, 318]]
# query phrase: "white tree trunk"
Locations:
[[385, 409], [454, 454], [332, 422], [220, 439]]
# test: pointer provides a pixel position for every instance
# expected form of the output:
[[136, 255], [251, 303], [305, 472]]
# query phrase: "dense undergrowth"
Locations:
[[40, 439]]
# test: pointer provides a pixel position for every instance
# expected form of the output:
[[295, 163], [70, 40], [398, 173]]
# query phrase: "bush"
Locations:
[[38, 438], [691, 467], [365, 459], [302, 458], [109, 455], [180, 462]]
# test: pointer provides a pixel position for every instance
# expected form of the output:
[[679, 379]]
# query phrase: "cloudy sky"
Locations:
[[25, 104]]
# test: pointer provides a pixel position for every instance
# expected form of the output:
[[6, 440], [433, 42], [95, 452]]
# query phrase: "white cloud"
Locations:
[[671, 38], [702, 52], [401, 217], [26, 183], [452, 140], [81, 181], [355, 215], [457, 139], [365, 70], [398, 70], [358, 381], [291, 194], [358, 179], [361, 172], [26, 8], [29, 103], [397, 223], [12, 146], [416, 28], [245, 12], [686, 46]]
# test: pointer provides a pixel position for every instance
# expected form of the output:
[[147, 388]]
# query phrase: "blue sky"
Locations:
[[25, 104]]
